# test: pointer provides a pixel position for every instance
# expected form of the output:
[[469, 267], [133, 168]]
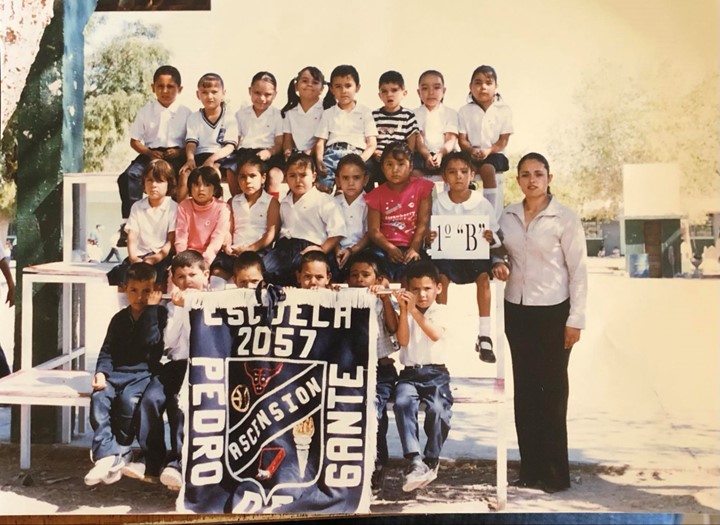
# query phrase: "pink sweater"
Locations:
[[202, 228]]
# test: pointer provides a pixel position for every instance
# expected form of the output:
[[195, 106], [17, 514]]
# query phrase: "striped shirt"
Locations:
[[394, 127]]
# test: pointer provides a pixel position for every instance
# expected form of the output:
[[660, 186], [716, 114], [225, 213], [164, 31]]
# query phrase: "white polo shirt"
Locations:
[[475, 205], [434, 124], [421, 350], [176, 336], [314, 217], [158, 126], [303, 125], [353, 127], [258, 131], [547, 259], [208, 136], [249, 222], [355, 216], [483, 129], [152, 224]]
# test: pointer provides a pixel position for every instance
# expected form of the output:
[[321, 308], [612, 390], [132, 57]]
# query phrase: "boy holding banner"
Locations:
[[460, 200]]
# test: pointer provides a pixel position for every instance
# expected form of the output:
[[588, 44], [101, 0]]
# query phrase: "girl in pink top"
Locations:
[[399, 211], [203, 220]]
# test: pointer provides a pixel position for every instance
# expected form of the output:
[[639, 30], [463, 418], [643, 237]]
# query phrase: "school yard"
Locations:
[[643, 419]]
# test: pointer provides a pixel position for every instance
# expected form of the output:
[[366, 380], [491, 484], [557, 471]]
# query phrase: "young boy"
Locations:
[[128, 358], [422, 326], [459, 199], [351, 179], [394, 124], [212, 131], [189, 272], [365, 273], [345, 128], [248, 270], [314, 271], [158, 132]]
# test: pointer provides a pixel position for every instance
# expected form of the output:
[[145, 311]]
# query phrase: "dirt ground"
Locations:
[[55, 486]]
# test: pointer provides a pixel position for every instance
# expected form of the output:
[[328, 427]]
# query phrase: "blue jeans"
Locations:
[[386, 378], [331, 157], [430, 385]]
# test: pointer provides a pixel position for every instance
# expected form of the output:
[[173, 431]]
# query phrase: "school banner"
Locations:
[[280, 402]]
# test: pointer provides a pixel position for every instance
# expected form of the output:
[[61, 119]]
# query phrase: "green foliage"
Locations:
[[118, 76], [8, 169], [637, 118]]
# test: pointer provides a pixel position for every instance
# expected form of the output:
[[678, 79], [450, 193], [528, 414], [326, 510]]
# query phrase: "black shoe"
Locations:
[[552, 489], [484, 346], [524, 484], [122, 240], [377, 480]]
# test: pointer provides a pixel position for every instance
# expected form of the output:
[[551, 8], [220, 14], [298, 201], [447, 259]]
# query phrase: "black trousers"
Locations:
[[536, 335]]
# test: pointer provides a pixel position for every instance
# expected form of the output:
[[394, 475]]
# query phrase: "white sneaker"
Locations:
[[171, 478], [134, 470], [107, 470], [430, 476], [415, 476]]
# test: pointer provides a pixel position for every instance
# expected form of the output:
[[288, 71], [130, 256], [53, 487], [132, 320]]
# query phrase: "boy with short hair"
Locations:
[[394, 124], [248, 269], [212, 132], [352, 178], [188, 272], [422, 327], [128, 358], [158, 132], [314, 271], [457, 172]]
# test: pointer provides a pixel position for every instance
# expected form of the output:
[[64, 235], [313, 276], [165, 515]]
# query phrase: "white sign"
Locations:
[[459, 237]]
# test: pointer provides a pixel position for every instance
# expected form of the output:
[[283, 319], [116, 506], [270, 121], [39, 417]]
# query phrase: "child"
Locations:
[[314, 271], [158, 132], [211, 132], [365, 273], [248, 270], [254, 217], [128, 357], [345, 128], [151, 225], [461, 200], [351, 179], [203, 220], [437, 122], [303, 110], [422, 326], [9, 300], [399, 211], [394, 124], [310, 221], [260, 128], [485, 125], [189, 272]]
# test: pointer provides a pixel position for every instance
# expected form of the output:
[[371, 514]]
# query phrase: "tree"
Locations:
[[635, 118], [118, 76], [8, 168]]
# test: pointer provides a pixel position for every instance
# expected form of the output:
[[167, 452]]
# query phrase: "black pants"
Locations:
[[536, 335]]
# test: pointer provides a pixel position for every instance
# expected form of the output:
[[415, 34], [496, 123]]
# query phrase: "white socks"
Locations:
[[484, 327]]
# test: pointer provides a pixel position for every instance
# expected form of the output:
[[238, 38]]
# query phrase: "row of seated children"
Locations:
[[392, 220], [327, 129], [131, 389]]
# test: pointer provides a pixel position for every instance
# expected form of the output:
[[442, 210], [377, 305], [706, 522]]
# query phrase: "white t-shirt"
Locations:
[[152, 224], [421, 350], [249, 222], [434, 124], [353, 127], [355, 216], [314, 217], [258, 132], [303, 125], [211, 137], [159, 127], [483, 129]]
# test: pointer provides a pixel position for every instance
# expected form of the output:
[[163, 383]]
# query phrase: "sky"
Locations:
[[540, 49]]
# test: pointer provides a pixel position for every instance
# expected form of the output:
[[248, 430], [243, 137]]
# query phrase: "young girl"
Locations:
[[260, 128], [485, 127], [151, 225], [303, 110], [438, 123], [203, 220], [345, 128], [254, 217], [399, 211], [310, 221]]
